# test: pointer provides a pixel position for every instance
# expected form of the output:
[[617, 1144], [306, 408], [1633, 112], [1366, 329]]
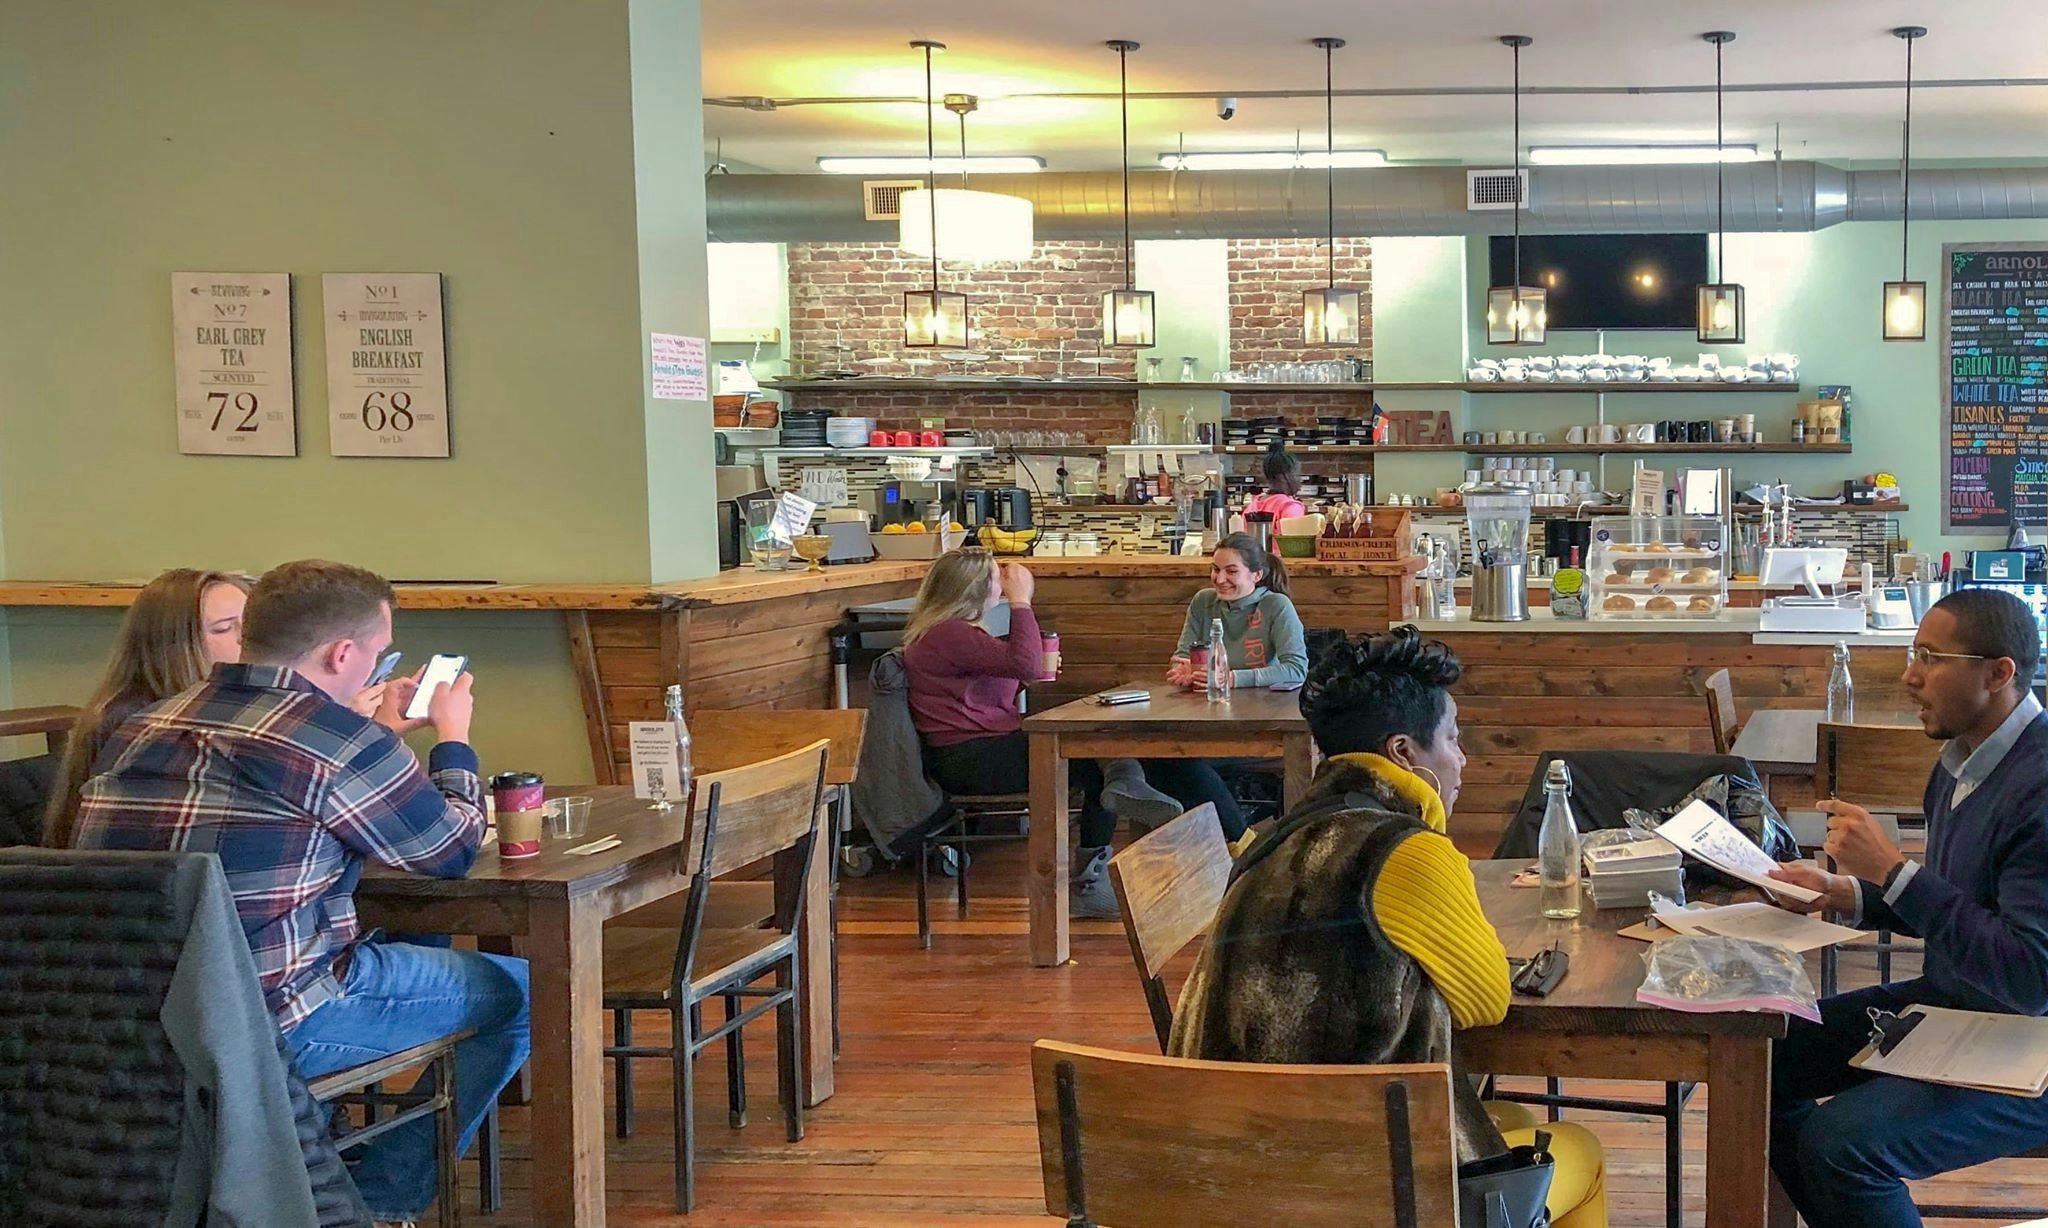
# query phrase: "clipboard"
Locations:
[[2007, 1054]]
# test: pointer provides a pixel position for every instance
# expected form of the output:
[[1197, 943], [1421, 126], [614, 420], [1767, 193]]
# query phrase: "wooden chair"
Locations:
[[737, 817], [1168, 886], [957, 835], [1884, 769], [1722, 719], [1138, 1141], [432, 1095]]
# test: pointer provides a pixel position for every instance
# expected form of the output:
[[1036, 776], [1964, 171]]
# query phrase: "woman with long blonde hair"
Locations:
[[963, 700], [181, 624]]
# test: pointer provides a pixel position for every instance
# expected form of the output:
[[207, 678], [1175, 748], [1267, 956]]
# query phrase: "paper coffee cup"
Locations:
[[519, 833]]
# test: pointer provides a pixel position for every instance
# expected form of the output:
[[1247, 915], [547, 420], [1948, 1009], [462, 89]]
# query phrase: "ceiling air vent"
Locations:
[[1496, 189], [884, 197]]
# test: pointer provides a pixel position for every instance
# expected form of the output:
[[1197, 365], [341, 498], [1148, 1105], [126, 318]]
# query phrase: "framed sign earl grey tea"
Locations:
[[387, 364], [232, 351]]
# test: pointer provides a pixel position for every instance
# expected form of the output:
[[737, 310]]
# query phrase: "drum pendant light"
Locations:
[[1517, 314], [933, 317], [1719, 305], [980, 227], [1329, 316], [1905, 302], [1127, 317]]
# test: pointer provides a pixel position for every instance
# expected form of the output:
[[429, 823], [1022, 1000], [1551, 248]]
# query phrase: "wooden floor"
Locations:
[[932, 1125]]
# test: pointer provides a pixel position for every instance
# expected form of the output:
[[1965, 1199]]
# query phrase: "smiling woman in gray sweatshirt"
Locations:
[[1263, 636]]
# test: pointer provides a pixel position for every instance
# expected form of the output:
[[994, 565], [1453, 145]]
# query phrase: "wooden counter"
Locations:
[[747, 639], [1591, 687]]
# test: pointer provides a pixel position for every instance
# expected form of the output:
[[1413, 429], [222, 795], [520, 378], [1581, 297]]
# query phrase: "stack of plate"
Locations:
[[804, 428], [848, 432], [1623, 866]]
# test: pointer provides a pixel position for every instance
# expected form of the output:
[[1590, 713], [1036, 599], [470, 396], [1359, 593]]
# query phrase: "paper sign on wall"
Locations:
[[657, 768], [679, 367], [232, 345], [387, 364]]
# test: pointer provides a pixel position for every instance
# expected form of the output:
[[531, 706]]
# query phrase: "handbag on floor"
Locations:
[[1507, 1190]]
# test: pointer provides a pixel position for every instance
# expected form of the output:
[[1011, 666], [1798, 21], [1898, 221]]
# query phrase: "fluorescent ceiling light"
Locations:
[[992, 164], [1272, 160], [1632, 155]]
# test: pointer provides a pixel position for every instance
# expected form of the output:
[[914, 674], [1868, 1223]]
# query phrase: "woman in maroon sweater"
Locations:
[[963, 700]]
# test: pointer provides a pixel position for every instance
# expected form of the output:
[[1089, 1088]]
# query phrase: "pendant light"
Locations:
[[1719, 304], [1905, 302], [1517, 314], [1329, 316], [1126, 311], [979, 226], [933, 317]]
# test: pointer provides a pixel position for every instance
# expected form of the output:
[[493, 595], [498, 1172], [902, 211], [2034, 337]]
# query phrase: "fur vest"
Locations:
[[1297, 970]]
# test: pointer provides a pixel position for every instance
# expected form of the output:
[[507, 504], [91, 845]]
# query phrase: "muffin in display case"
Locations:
[[1657, 567]]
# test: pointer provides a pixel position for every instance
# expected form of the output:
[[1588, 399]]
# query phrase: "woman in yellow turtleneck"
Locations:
[[1352, 932]]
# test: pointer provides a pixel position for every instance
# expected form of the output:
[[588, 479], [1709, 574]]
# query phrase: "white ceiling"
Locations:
[[859, 49]]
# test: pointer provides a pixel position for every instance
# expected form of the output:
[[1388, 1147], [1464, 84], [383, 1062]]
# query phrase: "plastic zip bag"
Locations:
[[1700, 972]]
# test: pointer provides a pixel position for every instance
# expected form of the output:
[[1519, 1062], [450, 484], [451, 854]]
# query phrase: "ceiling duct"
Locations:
[[1400, 200]]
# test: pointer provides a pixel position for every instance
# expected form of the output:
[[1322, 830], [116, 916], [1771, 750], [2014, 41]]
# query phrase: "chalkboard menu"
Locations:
[[1994, 309]]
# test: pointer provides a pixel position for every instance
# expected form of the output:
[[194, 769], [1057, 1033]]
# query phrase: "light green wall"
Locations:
[[1418, 334], [1190, 282], [489, 140], [1815, 295], [667, 115], [545, 157]]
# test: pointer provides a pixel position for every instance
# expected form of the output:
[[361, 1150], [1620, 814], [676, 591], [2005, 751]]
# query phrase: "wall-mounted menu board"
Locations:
[[1994, 313]]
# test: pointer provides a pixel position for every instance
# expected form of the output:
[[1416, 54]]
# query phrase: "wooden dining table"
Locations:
[[1171, 724], [1591, 1026], [553, 907]]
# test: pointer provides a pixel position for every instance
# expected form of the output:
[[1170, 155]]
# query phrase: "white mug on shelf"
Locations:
[[1610, 433], [1575, 434]]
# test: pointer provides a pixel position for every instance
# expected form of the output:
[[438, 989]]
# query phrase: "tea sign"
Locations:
[[387, 364], [232, 350]]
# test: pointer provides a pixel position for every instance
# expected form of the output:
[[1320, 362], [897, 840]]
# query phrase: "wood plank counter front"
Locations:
[[748, 639]]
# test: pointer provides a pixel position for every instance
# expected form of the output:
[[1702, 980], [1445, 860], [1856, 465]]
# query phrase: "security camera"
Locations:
[[1226, 109]]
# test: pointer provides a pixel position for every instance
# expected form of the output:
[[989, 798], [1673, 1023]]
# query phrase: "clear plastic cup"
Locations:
[[568, 817]]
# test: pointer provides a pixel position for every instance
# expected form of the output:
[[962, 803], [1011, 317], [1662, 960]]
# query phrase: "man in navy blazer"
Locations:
[[1979, 900]]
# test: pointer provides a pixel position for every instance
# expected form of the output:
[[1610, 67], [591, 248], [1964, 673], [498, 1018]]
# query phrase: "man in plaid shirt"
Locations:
[[265, 765]]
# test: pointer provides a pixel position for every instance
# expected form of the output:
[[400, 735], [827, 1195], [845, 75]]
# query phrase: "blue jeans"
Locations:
[[1845, 1162], [397, 995]]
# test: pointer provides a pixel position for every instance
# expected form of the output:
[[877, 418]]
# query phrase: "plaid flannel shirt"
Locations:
[[293, 792]]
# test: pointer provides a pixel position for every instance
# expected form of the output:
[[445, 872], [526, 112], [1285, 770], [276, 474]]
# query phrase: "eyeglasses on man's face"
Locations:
[[1923, 656]]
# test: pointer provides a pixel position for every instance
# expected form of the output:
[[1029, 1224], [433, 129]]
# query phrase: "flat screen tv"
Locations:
[[1608, 281]]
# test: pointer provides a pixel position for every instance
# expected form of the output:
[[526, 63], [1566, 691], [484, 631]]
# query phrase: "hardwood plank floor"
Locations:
[[932, 1125]]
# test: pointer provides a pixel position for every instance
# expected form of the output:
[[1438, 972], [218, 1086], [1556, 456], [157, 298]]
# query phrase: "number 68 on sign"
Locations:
[[232, 344], [387, 367]]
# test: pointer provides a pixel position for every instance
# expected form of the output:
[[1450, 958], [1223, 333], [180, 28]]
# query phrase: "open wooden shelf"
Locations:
[[1546, 449], [897, 383]]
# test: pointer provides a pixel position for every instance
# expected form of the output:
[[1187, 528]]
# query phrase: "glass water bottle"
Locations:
[[1557, 846]]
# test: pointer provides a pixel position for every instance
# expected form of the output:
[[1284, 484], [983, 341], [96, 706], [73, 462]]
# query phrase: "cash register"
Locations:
[[1814, 611]]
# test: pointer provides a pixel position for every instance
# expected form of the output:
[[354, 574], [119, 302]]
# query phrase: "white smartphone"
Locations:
[[445, 667]]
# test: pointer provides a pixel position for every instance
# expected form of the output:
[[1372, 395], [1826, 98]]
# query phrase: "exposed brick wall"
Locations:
[[1101, 415], [1267, 277], [1027, 305]]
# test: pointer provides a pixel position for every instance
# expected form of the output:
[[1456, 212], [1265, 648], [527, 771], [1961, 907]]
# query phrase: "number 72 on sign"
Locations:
[[232, 346]]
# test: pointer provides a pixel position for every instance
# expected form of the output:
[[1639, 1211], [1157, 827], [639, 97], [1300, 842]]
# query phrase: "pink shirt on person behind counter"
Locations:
[[963, 681], [1282, 506]]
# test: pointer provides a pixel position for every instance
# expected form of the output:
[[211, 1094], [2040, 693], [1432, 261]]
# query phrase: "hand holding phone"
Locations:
[[384, 668], [443, 670]]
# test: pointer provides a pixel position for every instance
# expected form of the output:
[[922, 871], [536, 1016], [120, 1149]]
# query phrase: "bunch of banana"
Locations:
[[1007, 541]]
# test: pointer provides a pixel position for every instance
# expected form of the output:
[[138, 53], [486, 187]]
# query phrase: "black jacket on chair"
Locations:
[[1605, 783], [142, 1080]]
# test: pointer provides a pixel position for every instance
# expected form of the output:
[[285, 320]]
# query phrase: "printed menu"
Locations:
[[1995, 389]]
